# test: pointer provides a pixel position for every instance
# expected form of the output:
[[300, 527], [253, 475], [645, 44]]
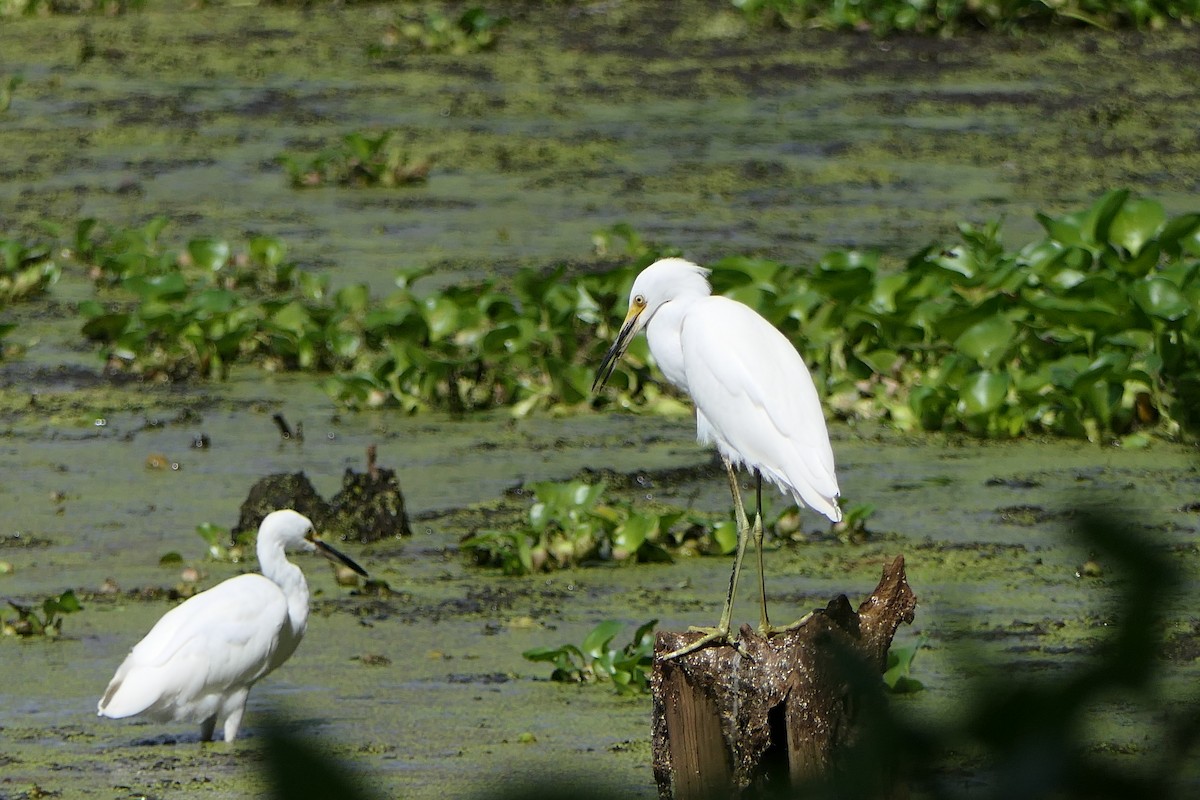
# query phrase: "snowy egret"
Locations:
[[198, 662], [753, 394]]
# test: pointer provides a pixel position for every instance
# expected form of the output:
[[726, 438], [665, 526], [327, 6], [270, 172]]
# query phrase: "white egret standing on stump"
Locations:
[[200, 659], [754, 398]]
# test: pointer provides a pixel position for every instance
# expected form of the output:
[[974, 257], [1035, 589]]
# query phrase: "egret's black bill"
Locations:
[[609, 363], [334, 555]]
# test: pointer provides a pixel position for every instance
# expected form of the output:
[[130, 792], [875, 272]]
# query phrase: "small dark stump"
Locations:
[[370, 506], [283, 490], [778, 713]]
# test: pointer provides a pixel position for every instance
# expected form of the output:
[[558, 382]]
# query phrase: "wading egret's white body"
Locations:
[[200, 659], [754, 397]]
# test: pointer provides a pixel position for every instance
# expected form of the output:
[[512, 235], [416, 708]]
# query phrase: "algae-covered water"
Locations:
[[672, 117]]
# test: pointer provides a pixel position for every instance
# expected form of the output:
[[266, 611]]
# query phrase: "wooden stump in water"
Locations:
[[370, 505], [772, 713]]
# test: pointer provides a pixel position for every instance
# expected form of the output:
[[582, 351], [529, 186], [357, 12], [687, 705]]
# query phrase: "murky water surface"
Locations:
[[677, 122]]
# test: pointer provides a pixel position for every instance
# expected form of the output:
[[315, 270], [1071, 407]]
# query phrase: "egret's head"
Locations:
[[295, 531], [663, 281], [290, 528]]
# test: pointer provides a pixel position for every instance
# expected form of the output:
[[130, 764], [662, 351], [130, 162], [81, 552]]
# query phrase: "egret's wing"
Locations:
[[756, 400], [218, 638]]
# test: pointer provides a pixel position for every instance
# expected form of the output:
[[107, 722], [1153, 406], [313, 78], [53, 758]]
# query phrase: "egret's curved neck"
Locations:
[[663, 335], [273, 563]]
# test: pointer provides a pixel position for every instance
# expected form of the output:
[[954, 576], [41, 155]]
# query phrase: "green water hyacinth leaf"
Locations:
[[1181, 235], [1097, 221], [596, 642], [1136, 223], [268, 251], [1160, 298], [216, 301], [171, 286], [293, 317], [441, 315], [101, 325], [209, 254], [632, 533], [726, 536], [597, 660], [983, 393], [987, 341], [1105, 367]]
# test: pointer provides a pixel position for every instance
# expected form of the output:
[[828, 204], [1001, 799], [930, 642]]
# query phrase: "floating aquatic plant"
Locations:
[[1092, 331], [29, 622], [597, 660], [358, 160], [568, 525]]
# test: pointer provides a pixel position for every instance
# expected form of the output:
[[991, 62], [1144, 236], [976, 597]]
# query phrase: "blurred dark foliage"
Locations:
[[1024, 736]]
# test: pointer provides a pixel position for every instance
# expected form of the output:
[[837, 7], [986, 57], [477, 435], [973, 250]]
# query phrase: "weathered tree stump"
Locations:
[[282, 490], [370, 506], [768, 713]]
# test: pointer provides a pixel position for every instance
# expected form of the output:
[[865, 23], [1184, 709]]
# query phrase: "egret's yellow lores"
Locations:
[[200, 659], [754, 398]]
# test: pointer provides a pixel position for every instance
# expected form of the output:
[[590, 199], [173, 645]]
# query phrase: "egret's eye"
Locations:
[[639, 300]]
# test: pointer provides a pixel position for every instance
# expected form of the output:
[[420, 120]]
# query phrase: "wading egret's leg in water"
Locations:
[[200, 659], [754, 398]]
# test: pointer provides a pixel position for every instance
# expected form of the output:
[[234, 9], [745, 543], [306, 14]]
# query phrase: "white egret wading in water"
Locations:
[[753, 394], [200, 659]]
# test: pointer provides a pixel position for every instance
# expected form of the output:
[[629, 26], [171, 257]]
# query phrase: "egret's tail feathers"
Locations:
[[125, 699], [107, 708], [826, 505], [807, 492]]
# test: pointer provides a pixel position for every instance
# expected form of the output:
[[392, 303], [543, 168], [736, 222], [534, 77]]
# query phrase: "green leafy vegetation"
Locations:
[[472, 31], [29, 622], [198, 310], [216, 540], [1089, 332], [477, 346], [597, 660], [1092, 331], [897, 675], [950, 16], [567, 526], [8, 87], [26, 269], [359, 160]]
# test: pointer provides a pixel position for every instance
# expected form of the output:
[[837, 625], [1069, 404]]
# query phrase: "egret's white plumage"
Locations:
[[200, 659], [754, 397]]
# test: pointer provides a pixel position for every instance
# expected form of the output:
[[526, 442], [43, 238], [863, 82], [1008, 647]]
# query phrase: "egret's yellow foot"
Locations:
[[775, 630], [717, 635], [710, 635]]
